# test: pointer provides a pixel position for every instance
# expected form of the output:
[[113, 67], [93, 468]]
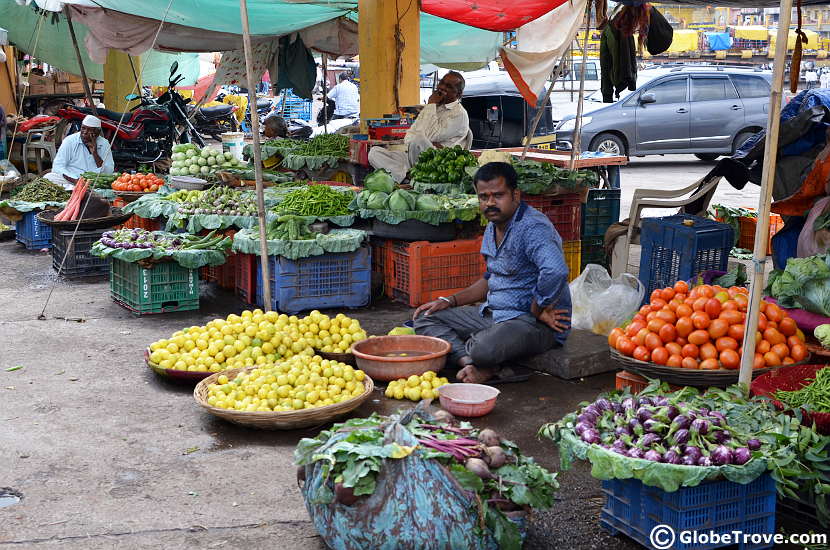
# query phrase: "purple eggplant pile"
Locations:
[[656, 429], [141, 239]]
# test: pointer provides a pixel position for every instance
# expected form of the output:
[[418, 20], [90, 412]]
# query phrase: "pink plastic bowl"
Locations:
[[468, 399]]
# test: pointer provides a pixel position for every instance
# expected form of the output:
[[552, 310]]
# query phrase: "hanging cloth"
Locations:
[[492, 15], [294, 68]]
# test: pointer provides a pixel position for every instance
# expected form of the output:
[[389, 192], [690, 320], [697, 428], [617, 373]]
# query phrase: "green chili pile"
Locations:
[[316, 200], [815, 396], [41, 190]]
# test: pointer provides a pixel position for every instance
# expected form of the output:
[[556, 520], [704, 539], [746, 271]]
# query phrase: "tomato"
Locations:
[[762, 305], [708, 351], [781, 350], [645, 310], [726, 343], [774, 313], [770, 324], [681, 341], [706, 291], [681, 287], [660, 355], [640, 338], [656, 294], [774, 337], [787, 361], [634, 328], [793, 341], [713, 308], [700, 304], [718, 328], [667, 333], [674, 348], [154, 188], [800, 335], [684, 326], [700, 320], [667, 315], [625, 345], [736, 332], [615, 334], [674, 361], [655, 324], [658, 304], [699, 337], [651, 315], [742, 300], [709, 364], [762, 321], [771, 359], [641, 354], [722, 296], [798, 352], [763, 346], [729, 359], [652, 341], [667, 294], [674, 304], [689, 363], [731, 316], [758, 362], [690, 350], [787, 326], [683, 310], [729, 305], [640, 318]]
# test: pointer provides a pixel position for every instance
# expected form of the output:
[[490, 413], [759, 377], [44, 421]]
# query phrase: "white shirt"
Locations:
[[446, 125], [825, 80], [346, 98], [810, 76], [73, 158]]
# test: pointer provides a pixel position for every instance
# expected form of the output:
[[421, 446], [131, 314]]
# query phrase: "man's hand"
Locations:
[[557, 319], [430, 307], [436, 97]]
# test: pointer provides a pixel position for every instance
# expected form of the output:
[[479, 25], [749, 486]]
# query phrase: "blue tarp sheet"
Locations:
[[719, 40]]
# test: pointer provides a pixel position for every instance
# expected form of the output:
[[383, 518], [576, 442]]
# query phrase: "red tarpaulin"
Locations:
[[492, 15]]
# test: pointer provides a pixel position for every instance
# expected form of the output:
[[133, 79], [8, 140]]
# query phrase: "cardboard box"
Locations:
[[62, 77], [41, 85]]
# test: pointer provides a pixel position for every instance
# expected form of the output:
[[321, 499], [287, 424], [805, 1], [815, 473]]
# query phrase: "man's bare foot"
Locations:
[[474, 375]]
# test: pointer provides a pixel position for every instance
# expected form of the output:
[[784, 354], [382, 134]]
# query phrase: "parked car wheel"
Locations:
[[608, 143], [741, 139], [708, 157]]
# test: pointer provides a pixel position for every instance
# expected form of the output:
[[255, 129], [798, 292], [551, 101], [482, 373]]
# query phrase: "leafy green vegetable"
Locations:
[[379, 180], [736, 277], [822, 332], [804, 283], [402, 200], [377, 200], [427, 202]]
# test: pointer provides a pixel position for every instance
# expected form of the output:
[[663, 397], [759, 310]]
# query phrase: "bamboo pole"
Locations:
[[577, 144], [87, 91], [260, 193], [326, 95], [767, 180]]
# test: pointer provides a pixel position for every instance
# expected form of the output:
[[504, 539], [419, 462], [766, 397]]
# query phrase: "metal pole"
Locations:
[[767, 180], [260, 193], [85, 82], [577, 144]]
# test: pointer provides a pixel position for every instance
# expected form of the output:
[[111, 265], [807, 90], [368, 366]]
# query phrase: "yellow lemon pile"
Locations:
[[332, 335], [416, 387], [300, 382]]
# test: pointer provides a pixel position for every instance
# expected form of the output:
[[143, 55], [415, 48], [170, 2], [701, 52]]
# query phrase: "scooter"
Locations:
[[214, 121]]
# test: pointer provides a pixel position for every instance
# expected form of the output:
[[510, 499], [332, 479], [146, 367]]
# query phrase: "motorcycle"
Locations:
[[213, 121]]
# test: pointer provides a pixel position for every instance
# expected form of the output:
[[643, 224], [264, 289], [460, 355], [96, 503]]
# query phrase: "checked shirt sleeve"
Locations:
[[545, 252]]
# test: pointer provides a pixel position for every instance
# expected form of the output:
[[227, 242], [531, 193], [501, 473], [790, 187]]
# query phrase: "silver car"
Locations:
[[705, 111]]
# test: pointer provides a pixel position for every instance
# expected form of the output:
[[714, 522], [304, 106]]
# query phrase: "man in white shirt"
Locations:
[[346, 98], [85, 151], [824, 79], [811, 77], [443, 122]]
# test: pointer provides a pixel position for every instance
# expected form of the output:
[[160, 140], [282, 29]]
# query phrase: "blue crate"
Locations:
[[718, 507], [332, 280], [601, 210], [293, 106], [672, 251], [32, 233]]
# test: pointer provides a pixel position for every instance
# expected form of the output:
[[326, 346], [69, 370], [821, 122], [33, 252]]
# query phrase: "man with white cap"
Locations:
[[85, 151]]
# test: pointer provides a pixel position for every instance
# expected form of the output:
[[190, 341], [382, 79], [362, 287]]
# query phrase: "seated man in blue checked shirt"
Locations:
[[525, 290]]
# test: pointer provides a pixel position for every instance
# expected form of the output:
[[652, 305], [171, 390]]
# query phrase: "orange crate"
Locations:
[[748, 225], [245, 280], [564, 211], [223, 275], [418, 272], [137, 222]]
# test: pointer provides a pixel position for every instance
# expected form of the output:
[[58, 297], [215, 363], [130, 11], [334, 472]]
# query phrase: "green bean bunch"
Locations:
[[316, 200], [41, 190], [815, 395]]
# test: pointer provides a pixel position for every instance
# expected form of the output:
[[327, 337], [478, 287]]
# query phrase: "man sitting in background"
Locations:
[[346, 98], [443, 122], [84, 151]]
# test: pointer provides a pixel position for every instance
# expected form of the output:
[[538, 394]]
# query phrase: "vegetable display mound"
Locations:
[[815, 396], [183, 195], [445, 165], [502, 480], [139, 238], [703, 328], [189, 160], [100, 181], [298, 383], [320, 201], [40, 190], [804, 284], [536, 177], [138, 183], [222, 201], [289, 227]]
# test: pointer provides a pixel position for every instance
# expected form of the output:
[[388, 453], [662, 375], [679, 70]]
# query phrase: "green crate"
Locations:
[[163, 288], [593, 252]]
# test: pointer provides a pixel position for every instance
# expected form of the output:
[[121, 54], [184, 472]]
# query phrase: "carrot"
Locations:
[[66, 213]]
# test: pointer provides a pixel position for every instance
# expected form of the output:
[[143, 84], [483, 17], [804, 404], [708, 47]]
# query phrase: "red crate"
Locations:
[[418, 272], [223, 275], [137, 222], [245, 280], [390, 132], [634, 382], [564, 211], [748, 225]]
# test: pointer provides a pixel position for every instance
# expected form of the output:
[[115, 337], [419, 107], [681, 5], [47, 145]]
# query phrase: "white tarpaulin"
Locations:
[[541, 43]]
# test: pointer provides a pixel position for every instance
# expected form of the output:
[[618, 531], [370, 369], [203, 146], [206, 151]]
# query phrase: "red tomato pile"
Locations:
[[703, 328], [138, 183]]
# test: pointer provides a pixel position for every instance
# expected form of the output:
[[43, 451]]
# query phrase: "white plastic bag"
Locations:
[[601, 303]]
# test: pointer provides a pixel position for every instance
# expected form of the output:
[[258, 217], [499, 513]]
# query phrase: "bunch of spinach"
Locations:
[[804, 283]]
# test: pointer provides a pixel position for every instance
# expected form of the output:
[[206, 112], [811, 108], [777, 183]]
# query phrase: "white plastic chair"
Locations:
[[40, 140], [658, 198]]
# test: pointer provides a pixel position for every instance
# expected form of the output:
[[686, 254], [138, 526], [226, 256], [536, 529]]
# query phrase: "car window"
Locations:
[[751, 86], [672, 91], [712, 89]]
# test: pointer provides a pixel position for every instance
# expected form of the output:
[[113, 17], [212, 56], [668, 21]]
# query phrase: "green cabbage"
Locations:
[[379, 180], [803, 284], [427, 202], [402, 201], [363, 199], [822, 332], [377, 200]]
